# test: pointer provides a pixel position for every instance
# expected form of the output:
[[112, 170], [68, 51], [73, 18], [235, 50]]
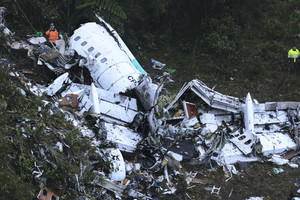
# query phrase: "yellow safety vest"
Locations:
[[293, 54]]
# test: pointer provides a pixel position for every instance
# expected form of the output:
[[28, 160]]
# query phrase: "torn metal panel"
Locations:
[[57, 70], [209, 121], [220, 115], [122, 45], [61, 46], [215, 99], [209, 96], [151, 161], [114, 156], [176, 156], [146, 91], [270, 117], [137, 195], [276, 143], [110, 67], [201, 151], [271, 106], [117, 112], [58, 84], [125, 138], [121, 100], [37, 40], [49, 54], [274, 112], [95, 108], [109, 111], [245, 142], [16, 45], [109, 185], [272, 128], [179, 94], [201, 181], [112, 107], [230, 154], [190, 123]]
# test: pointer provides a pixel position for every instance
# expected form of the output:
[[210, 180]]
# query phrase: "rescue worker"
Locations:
[[2, 12], [53, 34], [293, 57]]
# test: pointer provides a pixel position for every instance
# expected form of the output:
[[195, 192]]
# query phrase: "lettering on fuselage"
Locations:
[[131, 79]]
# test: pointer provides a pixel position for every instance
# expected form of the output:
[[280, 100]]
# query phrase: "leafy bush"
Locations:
[[295, 22], [219, 43], [27, 129], [272, 27], [221, 35], [254, 66]]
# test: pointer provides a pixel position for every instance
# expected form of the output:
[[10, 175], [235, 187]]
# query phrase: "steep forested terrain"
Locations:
[[239, 45]]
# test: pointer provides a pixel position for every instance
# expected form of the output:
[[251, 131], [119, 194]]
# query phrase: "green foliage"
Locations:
[[84, 10], [254, 66], [272, 50], [111, 7], [273, 29], [218, 43], [12, 186], [65, 14], [221, 35], [103, 5], [27, 128], [295, 22], [149, 39]]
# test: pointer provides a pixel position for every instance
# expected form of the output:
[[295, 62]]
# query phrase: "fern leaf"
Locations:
[[86, 5]]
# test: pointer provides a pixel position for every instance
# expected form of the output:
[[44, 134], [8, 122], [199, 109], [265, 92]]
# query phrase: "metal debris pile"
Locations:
[[151, 133]]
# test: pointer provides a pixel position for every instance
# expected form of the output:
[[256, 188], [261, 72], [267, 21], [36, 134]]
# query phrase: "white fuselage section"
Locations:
[[109, 65]]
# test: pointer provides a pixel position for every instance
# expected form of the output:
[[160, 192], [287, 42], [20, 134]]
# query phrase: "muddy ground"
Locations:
[[273, 83]]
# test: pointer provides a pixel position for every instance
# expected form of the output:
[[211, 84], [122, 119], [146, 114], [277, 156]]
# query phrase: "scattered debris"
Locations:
[[278, 170], [214, 190], [157, 65], [146, 141], [201, 181], [69, 100]]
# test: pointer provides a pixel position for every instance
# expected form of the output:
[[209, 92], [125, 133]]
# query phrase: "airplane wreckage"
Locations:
[[198, 125]]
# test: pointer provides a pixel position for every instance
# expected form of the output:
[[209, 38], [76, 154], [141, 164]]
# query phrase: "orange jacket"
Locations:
[[53, 35]]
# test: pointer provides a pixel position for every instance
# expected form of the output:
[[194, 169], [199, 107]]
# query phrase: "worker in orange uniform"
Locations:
[[53, 34]]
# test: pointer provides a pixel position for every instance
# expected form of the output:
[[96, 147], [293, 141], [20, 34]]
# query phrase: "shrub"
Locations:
[[221, 35], [295, 22], [254, 66], [272, 27]]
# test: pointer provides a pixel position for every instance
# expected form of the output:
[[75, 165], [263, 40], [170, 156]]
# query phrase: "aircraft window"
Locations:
[[97, 55], [103, 60], [90, 49], [45, 192], [83, 43], [77, 38]]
